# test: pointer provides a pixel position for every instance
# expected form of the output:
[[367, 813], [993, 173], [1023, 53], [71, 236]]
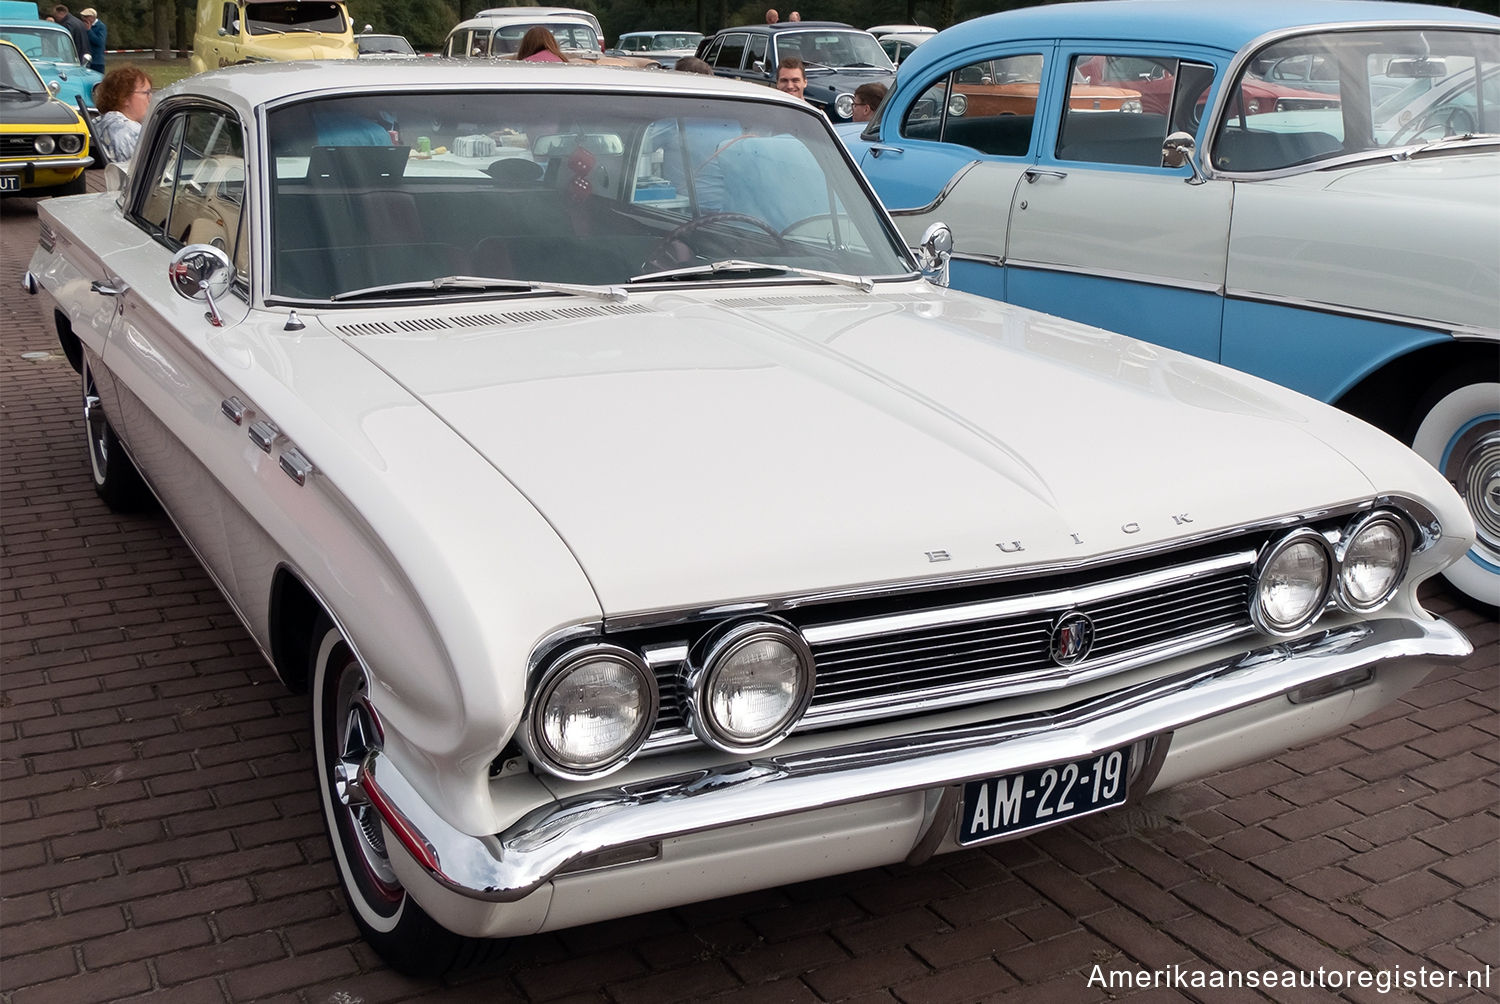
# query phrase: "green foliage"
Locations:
[[427, 22]]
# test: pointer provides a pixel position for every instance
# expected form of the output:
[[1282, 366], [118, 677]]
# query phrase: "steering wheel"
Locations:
[[1453, 121], [673, 249]]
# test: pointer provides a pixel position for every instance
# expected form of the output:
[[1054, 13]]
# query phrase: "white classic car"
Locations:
[[1307, 190], [648, 526]]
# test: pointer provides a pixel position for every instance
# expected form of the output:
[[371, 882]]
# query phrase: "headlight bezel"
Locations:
[[543, 751], [703, 673], [843, 105], [1362, 524], [1263, 566], [68, 139]]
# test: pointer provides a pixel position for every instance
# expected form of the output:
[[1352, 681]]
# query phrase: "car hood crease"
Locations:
[[744, 447]]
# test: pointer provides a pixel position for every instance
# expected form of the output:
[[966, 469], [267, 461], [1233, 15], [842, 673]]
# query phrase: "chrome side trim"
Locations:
[[1318, 306], [941, 196], [510, 865], [1110, 273]]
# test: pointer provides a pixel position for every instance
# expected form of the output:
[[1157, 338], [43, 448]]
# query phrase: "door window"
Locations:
[[989, 105], [198, 185], [1120, 109]]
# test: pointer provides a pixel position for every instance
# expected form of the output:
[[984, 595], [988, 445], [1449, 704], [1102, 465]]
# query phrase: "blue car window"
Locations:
[[989, 106]]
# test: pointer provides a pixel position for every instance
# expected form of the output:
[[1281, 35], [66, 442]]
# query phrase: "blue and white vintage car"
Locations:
[[647, 528], [50, 48], [1308, 191]]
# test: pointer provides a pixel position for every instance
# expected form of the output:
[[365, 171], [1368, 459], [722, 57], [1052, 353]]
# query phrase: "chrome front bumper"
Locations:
[[510, 865]]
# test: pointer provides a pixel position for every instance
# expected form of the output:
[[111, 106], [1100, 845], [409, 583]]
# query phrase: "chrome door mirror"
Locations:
[[1179, 149], [202, 272], [934, 252]]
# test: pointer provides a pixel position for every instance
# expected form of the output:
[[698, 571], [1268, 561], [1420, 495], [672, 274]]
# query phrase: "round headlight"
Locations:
[[1371, 562], [593, 710], [958, 104], [752, 687], [45, 144], [1131, 105], [843, 106], [70, 143], [1253, 106], [1292, 583]]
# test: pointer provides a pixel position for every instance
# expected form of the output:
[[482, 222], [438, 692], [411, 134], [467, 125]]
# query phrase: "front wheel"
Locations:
[[116, 479], [345, 730], [1457, 430]]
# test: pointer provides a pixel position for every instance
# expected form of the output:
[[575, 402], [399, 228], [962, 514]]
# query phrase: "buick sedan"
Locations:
[[648, 526], [1307, 191]]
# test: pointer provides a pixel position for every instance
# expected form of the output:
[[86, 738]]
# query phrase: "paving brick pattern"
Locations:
[[161, 839]]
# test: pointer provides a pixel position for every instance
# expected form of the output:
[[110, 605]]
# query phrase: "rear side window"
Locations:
[[989, 105], [733, 52]]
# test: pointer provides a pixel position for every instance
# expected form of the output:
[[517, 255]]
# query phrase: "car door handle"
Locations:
[[105, 289], [1033, 173], [877, 149]]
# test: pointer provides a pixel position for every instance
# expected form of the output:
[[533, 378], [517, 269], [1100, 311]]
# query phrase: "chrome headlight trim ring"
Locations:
[[702, 674], [1258, 614], [532, 736], [1360, 525]]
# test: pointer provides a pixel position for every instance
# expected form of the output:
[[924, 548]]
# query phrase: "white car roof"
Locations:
[[247, 87]]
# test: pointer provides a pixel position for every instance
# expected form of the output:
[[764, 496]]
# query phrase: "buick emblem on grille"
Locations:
[[1072, 638]]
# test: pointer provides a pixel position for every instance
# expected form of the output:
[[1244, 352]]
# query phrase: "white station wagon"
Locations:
[[648, 526]]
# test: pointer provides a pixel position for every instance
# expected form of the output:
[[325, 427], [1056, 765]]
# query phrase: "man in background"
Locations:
[[867, 98], [791, 77], [98, 32], [771, 16], [76, 28]]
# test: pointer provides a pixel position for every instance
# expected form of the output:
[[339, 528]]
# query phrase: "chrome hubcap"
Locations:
[[356, 739], [1474, 469]]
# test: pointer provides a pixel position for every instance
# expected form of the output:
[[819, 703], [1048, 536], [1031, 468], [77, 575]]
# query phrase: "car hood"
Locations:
[[301, 45], [692, 450], [36, 110]]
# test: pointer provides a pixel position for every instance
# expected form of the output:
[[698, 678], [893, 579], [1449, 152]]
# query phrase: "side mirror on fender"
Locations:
[[934, 253]]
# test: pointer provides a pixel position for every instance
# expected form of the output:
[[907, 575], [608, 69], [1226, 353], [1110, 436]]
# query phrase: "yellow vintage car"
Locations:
[[44, 144], [229, 32]]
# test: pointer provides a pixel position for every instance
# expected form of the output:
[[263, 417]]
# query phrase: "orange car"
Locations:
[[1010, 87]]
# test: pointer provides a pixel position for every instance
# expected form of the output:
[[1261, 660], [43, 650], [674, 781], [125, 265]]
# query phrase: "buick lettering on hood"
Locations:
[[648, 525]]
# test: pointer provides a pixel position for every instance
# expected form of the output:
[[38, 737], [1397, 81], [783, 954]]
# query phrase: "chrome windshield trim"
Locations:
[[1059, 599], [510, 865]]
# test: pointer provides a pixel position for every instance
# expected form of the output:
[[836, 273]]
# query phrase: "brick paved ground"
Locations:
[[160, 835]]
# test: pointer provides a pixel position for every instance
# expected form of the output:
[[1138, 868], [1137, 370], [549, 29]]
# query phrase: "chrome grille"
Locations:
[[911, 661]]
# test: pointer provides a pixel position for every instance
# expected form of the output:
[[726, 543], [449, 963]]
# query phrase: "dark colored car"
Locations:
[[838, 58]]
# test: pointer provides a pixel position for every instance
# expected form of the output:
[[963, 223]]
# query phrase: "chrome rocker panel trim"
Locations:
[[511, 865]]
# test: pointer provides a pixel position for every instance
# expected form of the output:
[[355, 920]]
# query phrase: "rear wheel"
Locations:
[[345, 730], [1457, 430], [116, 480]]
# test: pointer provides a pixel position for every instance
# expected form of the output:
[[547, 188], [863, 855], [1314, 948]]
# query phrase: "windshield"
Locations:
[[373, 45], [1315, 97], [569, 36], [17, 75], [42, 43], [373, 190], [270, 18], [664, 43], [833, 48]]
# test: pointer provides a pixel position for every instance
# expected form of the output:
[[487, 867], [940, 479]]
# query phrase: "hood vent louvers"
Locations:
[[491, 319]]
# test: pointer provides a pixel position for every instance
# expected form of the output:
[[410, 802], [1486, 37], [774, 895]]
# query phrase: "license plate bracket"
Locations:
[[1010, 804]]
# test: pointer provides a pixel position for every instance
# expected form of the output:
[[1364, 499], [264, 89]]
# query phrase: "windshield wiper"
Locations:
[[1409, 152], [476, 283], [733, 265], [18, 90]]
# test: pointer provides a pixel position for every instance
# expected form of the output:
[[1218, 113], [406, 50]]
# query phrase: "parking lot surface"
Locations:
[[160, 834]]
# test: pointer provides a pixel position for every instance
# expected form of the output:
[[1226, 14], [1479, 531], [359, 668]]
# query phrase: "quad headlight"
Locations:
[[1293, 579], [70, 143], [44, 144], [843, 105], [750, 688], [591, 711], [1372, 561]]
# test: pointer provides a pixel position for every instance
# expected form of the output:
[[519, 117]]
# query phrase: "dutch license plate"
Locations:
[[998, 806], [10, 182]]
